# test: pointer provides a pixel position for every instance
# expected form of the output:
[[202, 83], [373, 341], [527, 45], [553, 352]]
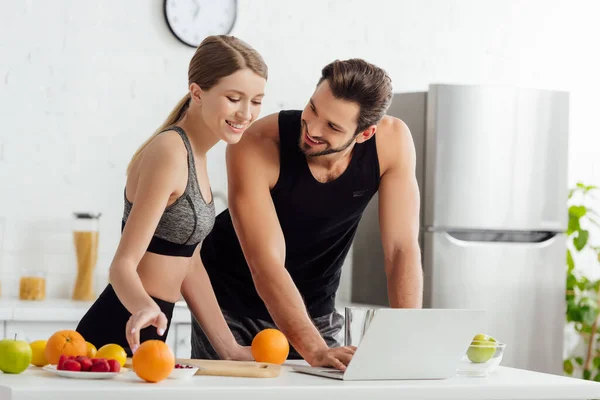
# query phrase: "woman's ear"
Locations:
[[196, 93]]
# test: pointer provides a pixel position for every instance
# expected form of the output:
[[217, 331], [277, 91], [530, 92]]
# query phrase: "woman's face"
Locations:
[[230, 106]]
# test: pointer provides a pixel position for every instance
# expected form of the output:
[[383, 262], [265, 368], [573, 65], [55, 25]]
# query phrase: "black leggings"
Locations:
[[105, 321]]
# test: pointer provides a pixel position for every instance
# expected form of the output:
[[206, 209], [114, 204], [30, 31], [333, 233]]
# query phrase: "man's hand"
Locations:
[[337, 357]]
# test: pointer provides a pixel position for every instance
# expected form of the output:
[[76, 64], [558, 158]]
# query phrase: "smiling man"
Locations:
[[299, 182]]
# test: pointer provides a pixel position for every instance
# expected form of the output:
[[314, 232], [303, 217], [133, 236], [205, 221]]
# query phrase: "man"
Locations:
[[299, 182]]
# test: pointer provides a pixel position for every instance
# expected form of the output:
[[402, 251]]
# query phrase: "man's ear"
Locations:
[[366, 134], [196, 92]]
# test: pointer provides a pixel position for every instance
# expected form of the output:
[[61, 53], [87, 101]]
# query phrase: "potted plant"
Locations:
[[582, 291]]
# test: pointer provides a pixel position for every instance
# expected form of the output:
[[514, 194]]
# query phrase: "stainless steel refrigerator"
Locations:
[[492, 173]]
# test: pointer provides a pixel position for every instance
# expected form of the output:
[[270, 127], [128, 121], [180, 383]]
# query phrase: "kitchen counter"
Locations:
[[504, 384], [63, 310]]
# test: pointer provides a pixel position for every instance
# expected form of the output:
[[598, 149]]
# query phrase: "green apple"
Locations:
[[15, 356], [482, 348], [484, 337]]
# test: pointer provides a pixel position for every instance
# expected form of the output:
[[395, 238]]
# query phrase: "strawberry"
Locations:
[[101, 366], [79, 359], [114, 366], [61, 361], [71, 365], [86, 364]]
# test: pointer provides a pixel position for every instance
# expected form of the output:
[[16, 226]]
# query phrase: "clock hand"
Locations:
[[197, 8]]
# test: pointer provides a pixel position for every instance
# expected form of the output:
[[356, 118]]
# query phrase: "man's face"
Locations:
[[328, 124]]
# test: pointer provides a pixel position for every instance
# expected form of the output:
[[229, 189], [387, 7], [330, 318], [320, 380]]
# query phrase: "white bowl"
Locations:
[[183, 373]]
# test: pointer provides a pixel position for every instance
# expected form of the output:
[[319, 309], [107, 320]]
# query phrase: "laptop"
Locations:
[[409, 344]]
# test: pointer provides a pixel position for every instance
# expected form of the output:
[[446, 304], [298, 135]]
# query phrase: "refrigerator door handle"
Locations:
[[468, 238]]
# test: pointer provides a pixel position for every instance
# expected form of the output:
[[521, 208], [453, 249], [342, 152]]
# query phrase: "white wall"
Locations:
[[84, 83]]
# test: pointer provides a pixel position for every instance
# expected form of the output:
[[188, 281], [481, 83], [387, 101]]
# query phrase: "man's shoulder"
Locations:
[[394, 141]]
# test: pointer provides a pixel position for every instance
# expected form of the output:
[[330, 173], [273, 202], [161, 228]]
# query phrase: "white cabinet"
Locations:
[[35, 330], [183, 340], [2, 332]]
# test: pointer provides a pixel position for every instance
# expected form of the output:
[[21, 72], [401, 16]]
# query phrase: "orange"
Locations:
[[112, 352], [270, 346], [153, 361], [67, 342], [91, 350]]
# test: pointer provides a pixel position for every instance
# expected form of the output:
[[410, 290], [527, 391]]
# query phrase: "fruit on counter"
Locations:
[[153, 361], [270, 346], [91, 350], [484, 337], [67, 342], [86, 364], [180, 366], [112, 352], [482, 348], [71, 365], [115, 366], [100, 365], [15, 355], [38, 353]]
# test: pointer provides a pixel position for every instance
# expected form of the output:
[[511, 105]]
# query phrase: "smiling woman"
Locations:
[[169, 206]]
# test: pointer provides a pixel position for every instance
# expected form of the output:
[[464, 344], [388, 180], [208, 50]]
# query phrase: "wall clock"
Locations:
[[193, 20]]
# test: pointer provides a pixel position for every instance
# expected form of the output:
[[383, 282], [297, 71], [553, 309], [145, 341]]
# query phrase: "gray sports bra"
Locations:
[[185, 223]]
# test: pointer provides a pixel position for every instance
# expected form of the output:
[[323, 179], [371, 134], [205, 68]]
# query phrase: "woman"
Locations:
[[169, 207]]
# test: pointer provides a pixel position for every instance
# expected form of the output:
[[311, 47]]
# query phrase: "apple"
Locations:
[[482, 348], [15, 356]]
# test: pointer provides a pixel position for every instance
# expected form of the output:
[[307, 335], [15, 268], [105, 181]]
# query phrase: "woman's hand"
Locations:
[[148, 316]]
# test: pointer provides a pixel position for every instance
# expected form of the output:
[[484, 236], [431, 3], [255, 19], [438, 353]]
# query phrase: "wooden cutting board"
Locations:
[[247, 369]]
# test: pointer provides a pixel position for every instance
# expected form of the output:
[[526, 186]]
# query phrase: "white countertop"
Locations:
[[63, 310], [504, 384]]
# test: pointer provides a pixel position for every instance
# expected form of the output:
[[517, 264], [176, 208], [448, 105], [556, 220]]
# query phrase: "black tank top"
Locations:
[[318, 221]]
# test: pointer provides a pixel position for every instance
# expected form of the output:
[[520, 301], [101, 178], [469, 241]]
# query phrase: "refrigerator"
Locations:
[[492, 175]]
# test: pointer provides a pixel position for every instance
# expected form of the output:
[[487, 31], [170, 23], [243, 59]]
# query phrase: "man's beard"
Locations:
[[327, 150]]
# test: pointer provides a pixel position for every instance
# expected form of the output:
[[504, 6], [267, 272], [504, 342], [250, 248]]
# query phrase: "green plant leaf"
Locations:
[[571, 282], [568, 367], [574, 315], [597, 377], [573, 224], [581, 240], [570, 262], [588, 315], [596, 362], [577, 211], [579, 360], [587, 374]]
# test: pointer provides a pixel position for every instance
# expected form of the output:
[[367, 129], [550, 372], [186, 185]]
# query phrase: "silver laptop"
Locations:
[[409, 344]]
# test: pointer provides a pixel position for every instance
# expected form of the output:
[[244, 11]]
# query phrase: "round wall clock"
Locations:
[[193, 20]]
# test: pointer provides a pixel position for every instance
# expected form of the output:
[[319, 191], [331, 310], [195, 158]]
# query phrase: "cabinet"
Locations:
[[35, 330], [39, 320], [183, 341]]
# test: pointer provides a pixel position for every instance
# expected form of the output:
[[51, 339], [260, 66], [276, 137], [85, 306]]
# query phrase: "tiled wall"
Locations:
[[82, 84]]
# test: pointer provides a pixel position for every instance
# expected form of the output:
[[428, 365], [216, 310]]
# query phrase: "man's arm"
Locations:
[[200, 298], [253, 169], [399, 218]]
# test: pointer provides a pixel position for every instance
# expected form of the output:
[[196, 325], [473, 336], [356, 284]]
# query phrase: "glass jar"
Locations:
[[85, 238], [32, 285]]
